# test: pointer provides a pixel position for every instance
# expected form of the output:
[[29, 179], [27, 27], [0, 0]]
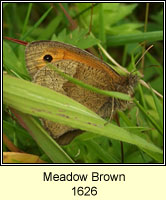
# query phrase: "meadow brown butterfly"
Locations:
[[83, 66]]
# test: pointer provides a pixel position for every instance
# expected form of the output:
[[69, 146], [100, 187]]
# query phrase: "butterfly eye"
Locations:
[[48, 58]]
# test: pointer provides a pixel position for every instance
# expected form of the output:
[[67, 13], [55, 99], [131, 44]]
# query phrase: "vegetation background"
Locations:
[[124, 30]]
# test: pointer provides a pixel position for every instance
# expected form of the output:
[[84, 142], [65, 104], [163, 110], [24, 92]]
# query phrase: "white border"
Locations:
[[2, 85]]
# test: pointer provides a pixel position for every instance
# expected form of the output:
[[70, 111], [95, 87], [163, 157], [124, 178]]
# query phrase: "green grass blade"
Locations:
[[36, 24], [159, 107], [135, 38], [91, 88], [49, 146], [27, 18], [51, 28], [149, 117], [42, 102]]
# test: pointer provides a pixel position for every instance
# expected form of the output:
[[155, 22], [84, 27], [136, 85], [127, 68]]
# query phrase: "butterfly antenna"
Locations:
[[143, 54]]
